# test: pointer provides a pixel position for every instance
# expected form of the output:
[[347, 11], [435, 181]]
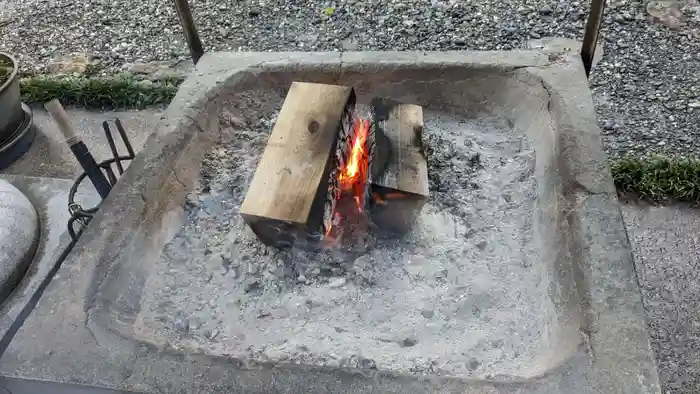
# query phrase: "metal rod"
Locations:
[[110, 175], [590, 38], [191, 35], [125, 138], [112, 146]]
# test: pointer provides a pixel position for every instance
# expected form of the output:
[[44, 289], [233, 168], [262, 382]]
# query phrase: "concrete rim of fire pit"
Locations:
[[92, 343]]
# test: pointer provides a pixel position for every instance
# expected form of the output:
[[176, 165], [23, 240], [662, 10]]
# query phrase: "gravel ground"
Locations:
[[647, 87], [666, 247]]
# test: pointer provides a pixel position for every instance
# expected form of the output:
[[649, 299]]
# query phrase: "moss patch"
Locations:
[[119, 92], [658, 178]]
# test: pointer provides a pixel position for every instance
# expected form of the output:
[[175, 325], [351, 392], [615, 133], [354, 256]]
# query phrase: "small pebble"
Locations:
[[337, 282], [251, 286], [366, 363], [609, 124], [181, 324], [473, 364], [194, 323]]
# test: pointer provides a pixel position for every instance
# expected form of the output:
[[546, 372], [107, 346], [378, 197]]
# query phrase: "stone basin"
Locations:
[[516, 277]]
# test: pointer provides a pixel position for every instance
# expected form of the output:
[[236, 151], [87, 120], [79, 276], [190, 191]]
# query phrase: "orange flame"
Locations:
[[353, 176], [352, 179]]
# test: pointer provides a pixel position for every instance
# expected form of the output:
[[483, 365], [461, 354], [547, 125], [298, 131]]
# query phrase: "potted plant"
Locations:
[[16, 133]]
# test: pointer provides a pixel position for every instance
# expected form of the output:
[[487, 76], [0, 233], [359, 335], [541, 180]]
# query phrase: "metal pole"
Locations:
[[187, 23], [590, 38]]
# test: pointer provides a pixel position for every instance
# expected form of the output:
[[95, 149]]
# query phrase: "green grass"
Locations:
[[658, 179], [119, 92]]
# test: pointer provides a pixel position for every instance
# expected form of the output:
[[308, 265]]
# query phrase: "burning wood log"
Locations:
[[400, 188], [292, 189]]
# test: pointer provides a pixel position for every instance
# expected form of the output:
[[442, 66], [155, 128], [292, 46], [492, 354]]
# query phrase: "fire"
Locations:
[[353, 176], [352, 179]]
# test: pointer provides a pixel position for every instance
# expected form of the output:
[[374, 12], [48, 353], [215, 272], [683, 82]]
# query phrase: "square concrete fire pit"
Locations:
[[516, 275]]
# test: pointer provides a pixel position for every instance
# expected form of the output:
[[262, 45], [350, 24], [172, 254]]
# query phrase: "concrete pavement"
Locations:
[[666, 247]]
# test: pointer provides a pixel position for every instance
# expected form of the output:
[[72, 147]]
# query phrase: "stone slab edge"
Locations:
[[614, 329], [617, 359]]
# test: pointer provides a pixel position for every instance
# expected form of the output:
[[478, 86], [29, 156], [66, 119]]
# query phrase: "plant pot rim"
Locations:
[[13, 75]]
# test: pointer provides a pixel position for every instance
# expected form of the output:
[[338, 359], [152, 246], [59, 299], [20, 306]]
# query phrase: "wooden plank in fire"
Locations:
[[286, 200], [400, 186]]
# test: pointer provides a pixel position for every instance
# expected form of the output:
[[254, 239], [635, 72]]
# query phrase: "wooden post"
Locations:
[[285, 202], [187, 22], [590, 39], [400, 190]]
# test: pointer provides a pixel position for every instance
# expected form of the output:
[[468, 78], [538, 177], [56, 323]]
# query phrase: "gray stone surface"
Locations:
[[666, 244], [596, 338], [19, 232], [50, 198], [51, 157], [561, 44]]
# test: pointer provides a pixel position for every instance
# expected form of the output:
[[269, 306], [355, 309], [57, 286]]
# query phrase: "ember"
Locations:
[[353, 177]]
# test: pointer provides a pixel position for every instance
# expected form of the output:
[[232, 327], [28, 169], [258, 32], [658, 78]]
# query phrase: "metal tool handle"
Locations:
[[81, 152], [59, 115]]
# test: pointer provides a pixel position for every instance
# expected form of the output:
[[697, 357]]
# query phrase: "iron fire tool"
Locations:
[[81, 152]]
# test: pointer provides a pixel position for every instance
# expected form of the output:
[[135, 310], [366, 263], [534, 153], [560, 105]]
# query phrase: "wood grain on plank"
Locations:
[[294, 169]]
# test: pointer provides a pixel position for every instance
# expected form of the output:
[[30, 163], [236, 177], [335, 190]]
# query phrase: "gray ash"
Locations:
[[371, 296], [451, 170]]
